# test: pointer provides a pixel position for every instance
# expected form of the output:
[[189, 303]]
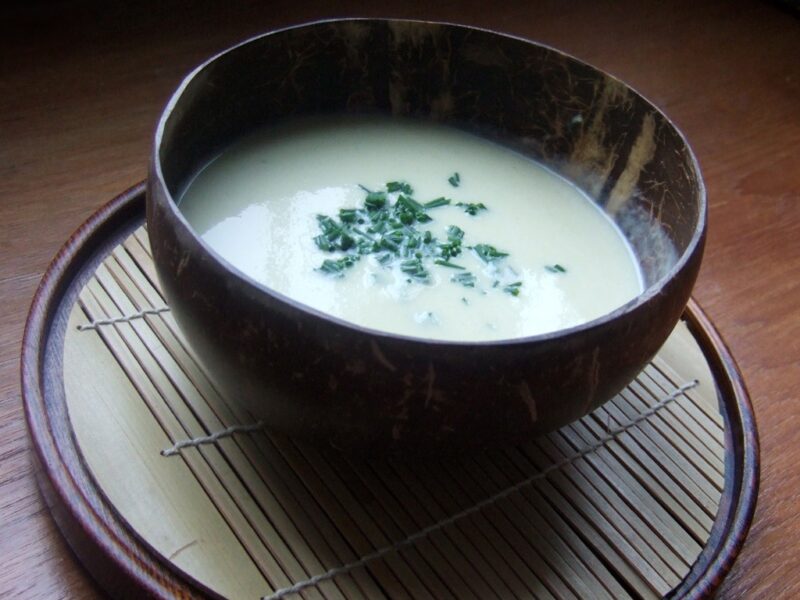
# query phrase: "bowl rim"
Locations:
[[695, 243]]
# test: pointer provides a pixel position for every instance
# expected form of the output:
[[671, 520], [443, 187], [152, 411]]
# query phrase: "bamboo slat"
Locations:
[[620, 515]]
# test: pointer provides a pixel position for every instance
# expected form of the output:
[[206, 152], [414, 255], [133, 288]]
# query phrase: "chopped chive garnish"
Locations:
[[388, 228], [388, 244], [437, 202], [362, 234], [328, 226], [348, 215], [336, 267], [455, 233], [399, 186], [464, 300], [375, 200], [488, 253], [447, 263], [346, 242], [409, 203], [555, 268], [450, 250], [414, 268], [396, 236], [323, 243], [472, 208], [466, 279], [454, 179]]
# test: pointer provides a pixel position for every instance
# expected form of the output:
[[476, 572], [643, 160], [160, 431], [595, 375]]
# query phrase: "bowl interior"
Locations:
[[577, 120]]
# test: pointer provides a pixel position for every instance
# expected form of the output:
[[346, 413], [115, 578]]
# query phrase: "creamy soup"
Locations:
[[411, 228]]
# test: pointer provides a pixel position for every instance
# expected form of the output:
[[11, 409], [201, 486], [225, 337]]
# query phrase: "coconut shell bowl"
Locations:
[[311, 375]]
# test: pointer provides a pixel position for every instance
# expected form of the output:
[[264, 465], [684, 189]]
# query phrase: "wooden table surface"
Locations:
[[82, 84]]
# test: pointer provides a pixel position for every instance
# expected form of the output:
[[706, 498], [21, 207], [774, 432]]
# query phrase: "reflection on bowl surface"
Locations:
[[359, 387]]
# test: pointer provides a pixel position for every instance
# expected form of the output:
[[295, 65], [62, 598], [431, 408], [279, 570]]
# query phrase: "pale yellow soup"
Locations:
[[256, 205]]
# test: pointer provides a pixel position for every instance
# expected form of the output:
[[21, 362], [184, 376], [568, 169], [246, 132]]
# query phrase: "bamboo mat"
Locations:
[[616, 505]]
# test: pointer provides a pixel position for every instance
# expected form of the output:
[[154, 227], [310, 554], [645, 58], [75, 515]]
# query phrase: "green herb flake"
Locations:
[[437, 202], [346, 242], [388, 244], [348, 215], [336, 267], [449, 250], [472, 208], [414, 268], [396, 236], [488, 253], [387, 228], [454, 179], [466, 279], [328, 226], [447, 263], [399, 186], [323, 243], [455, 233], [409, 203], [375, 200], [555, 268]]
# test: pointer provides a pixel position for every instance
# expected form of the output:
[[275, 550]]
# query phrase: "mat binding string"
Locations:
[[611, 433]]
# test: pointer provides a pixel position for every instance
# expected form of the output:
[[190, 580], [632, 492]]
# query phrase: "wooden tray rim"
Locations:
[[123, 565]]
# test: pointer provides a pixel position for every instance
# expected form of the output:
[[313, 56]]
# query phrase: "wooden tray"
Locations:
[[649, 496]]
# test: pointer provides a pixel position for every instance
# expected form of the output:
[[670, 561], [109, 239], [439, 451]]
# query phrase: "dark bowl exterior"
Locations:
[[314, 376]]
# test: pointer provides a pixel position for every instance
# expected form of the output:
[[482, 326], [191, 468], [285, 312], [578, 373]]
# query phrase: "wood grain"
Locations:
[[82, 84]]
